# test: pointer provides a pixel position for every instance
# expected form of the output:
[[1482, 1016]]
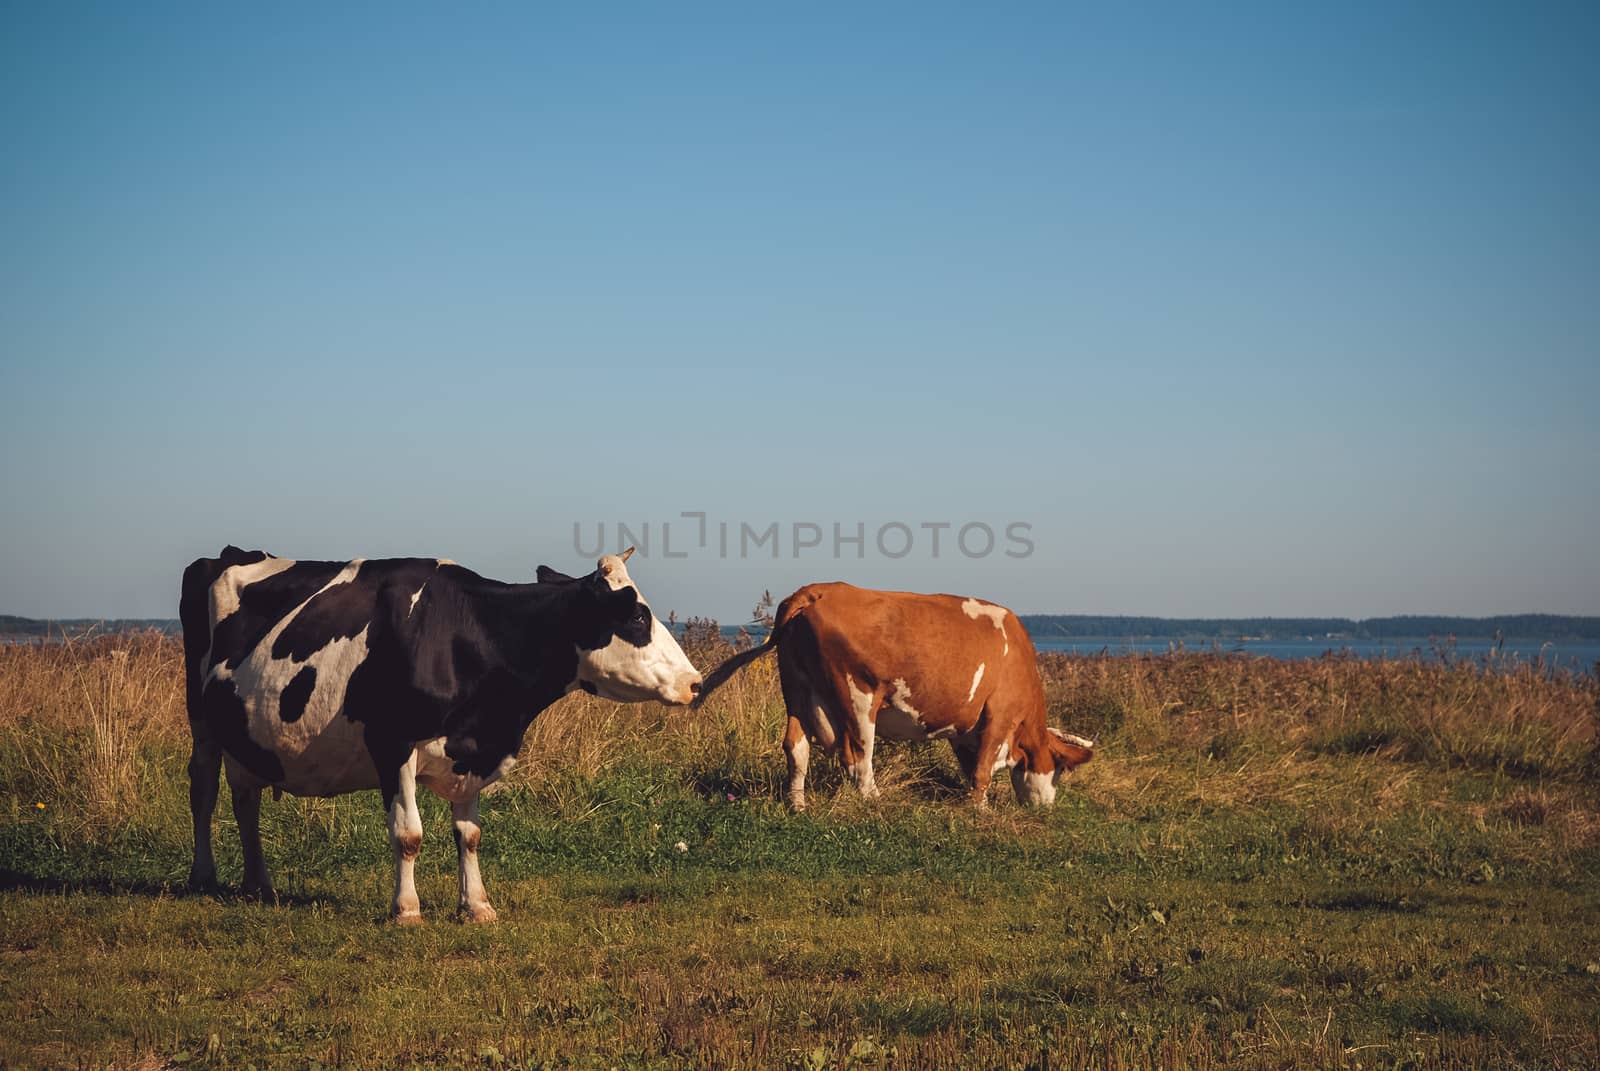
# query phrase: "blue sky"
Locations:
[[1243, 309]]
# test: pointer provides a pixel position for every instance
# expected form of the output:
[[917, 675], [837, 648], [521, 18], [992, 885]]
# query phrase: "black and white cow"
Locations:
[[320, 678]]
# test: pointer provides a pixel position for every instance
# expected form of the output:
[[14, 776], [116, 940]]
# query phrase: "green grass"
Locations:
[[1211, 891], [914, 931]]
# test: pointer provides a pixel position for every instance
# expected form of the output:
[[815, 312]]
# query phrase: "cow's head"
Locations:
[[1065, 752], [624, 653]]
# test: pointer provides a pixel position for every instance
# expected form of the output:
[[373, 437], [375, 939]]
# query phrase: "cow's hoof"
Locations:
[[265, 893], [797, 805], [406, 918], [202, 884], [483, 912]]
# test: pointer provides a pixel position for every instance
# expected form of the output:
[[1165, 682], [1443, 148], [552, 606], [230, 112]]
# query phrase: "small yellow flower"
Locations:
[[39, 805]]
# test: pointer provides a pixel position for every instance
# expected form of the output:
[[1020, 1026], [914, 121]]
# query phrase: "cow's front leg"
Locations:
[[474, 902], [985, 759], [247, 812], [405, 836], [862, 770], [797, 752]]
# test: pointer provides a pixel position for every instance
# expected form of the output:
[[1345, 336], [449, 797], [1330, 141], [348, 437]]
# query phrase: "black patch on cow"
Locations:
[[225, 715], [547, 575], [467, 659], [488, 728], [637, 624], [292, 703], [336, 613], [603, 614], [589, 687], [263, 604], [400, 695]]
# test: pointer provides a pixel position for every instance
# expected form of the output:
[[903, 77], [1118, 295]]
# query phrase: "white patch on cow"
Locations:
[[901, 698], [657, 671], [323, 752], [1003, 759], [614, 572], [861, 703], [436, 770], [862, 770], [472, 901], [976, 677], [996, 614], [799, 760], [415, 597], [860, 699], [405, 834], [1034, 789], [445, 561], [900, 720], [225, 590]]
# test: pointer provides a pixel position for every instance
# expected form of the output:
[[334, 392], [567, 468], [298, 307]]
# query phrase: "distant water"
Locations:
[[1577, 657], [1580, 657]]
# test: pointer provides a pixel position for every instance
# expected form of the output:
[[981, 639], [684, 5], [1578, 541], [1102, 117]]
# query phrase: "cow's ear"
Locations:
[[548, 575], [1069, 752]]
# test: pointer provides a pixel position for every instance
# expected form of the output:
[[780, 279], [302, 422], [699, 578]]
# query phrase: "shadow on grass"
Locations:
[[940, 785], [105, 885], [1370, 899]]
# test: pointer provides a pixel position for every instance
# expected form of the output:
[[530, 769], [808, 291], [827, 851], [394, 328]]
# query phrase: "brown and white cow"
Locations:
[[858, 665]]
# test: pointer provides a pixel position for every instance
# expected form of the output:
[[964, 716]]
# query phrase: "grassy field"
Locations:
[[1312, 865]]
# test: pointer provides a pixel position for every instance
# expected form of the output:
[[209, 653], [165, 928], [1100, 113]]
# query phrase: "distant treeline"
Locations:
[[78, 626], [1510, 626]]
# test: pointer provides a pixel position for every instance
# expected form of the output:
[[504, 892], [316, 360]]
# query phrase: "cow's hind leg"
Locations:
[[247, 812], [797, 752], [205, 771], [860, 765], [405, 836], [474, 902], [861, 730], [800, 704]]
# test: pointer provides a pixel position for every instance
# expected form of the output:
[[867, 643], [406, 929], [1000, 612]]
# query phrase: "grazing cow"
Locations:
[[321, 678], [857, 665]]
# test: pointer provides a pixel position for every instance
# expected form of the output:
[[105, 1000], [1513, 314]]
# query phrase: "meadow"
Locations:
[[1320, 864]]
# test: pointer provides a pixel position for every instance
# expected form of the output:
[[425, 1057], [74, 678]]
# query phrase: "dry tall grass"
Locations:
[[80, 717], [1520, 720], [86, 720]]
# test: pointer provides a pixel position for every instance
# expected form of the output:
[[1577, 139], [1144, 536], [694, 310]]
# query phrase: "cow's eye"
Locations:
[[641, 614]]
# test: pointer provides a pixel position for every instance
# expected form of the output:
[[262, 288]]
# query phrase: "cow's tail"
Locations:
[[1068, 750], [194, 613], [719, 676], [788, 610]]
